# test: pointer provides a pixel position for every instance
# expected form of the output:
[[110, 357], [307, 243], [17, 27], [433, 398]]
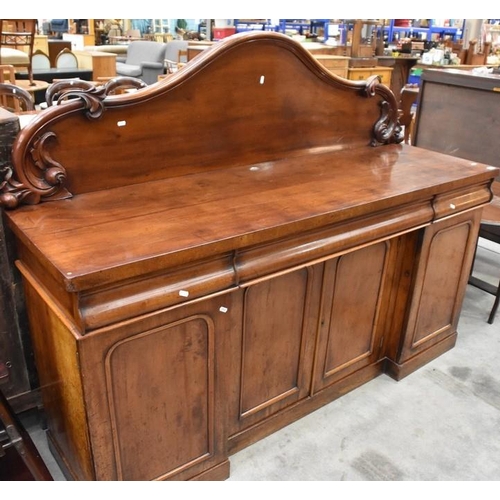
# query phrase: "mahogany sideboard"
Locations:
[[212, 257]]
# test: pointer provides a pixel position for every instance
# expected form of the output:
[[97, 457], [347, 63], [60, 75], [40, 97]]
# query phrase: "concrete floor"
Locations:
[[441, 423]]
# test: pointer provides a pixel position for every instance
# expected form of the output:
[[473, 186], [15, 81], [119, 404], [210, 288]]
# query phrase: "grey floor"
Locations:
[[441, 423]]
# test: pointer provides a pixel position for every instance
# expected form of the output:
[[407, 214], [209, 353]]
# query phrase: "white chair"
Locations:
[[66, 59], [40, 60]]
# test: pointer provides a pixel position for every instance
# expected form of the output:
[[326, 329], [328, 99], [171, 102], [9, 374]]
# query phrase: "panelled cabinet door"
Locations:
[[157, 406], [272, 354], [441, 279], [354, 300]]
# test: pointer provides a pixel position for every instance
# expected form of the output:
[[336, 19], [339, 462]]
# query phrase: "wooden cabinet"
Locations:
[[349, 336], [401, 67], [102, 64], [338, 65], [364, 73], [438, 289], [158, 395], [272, 354], [215, 279], [78, 42]]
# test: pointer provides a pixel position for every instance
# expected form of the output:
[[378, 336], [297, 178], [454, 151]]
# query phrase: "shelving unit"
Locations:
[[320, 27], [425, 33], [491, 34], [317, 27], [243, 25], [301, 26]]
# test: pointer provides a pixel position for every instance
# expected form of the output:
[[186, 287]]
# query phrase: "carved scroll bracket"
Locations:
[[40, 176], [387, 129], [43, 178], [90, 95]]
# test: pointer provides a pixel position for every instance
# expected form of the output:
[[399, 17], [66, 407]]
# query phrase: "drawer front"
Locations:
[[365, 73], [457, 201], [356, 74], [385, 75]]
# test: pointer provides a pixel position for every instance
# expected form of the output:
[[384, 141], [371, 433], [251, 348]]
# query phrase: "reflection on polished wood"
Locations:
[[198, 280]]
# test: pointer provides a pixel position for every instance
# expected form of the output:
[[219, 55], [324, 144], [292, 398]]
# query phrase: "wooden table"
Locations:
[[124, 40], [51, 74], [37, 89], [215, 256], [36, 86]]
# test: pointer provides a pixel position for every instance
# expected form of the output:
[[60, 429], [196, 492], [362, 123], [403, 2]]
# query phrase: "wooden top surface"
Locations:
[[95, 237], [252, 141], [462, 78]]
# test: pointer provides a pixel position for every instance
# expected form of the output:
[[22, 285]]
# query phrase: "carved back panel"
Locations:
[[251, 98]]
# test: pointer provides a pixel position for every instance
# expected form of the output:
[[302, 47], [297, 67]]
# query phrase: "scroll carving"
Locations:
[[45, 179], [387, 129], [35, 175], [90, 95]]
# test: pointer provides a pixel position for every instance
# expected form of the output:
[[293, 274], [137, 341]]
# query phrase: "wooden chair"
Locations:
[[19, 33], [66, 59], [13, 436], [40, 60], [15, 98], [409, 97], [182, 56], [7, 73], [490, 230], [172, 66], [175, 55], [475, 57]]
